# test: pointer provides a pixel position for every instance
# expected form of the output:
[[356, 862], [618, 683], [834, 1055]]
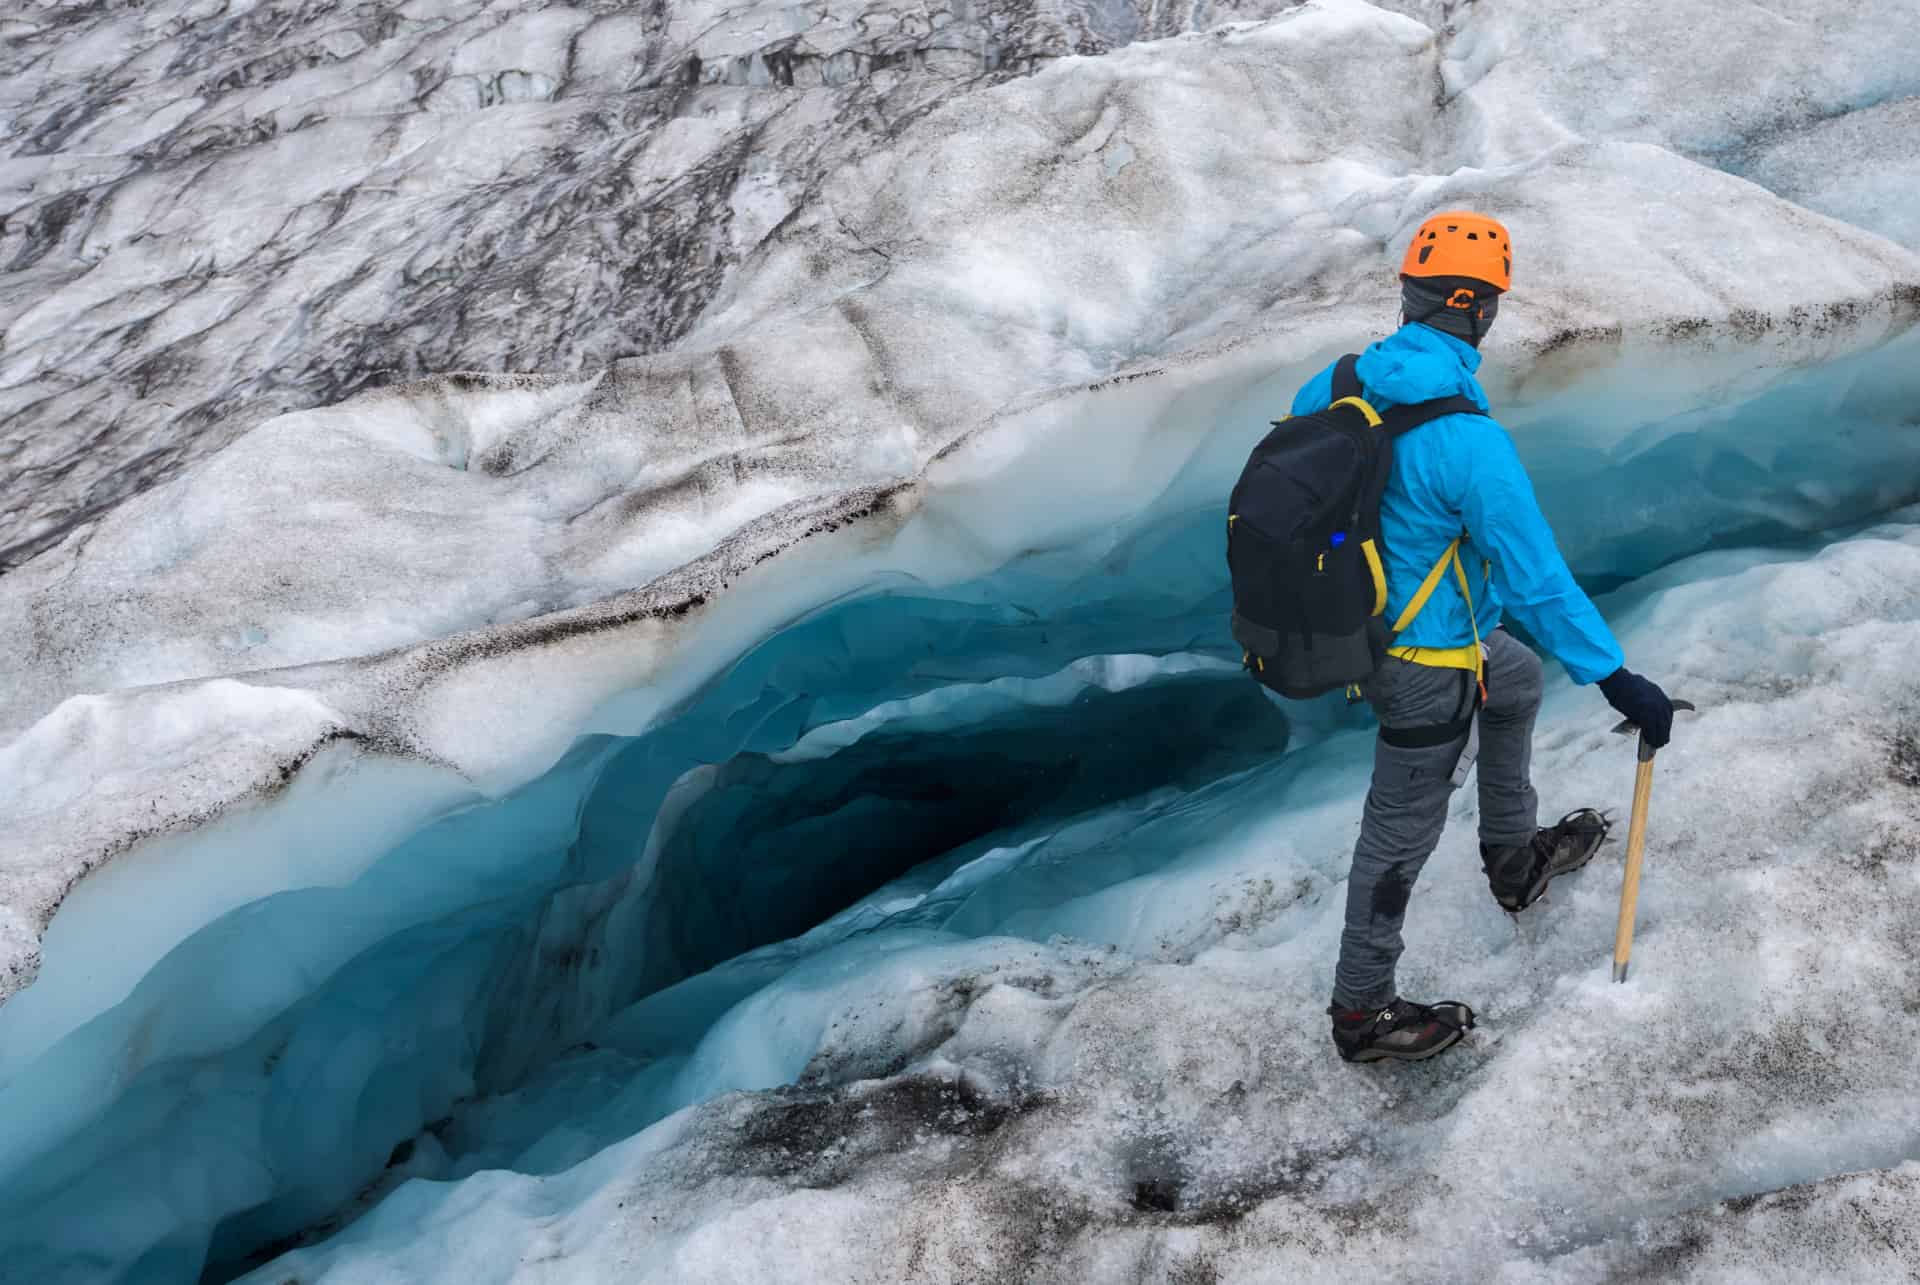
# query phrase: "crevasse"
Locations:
[[524, 981]]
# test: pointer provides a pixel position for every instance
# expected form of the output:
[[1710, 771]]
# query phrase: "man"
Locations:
[[1458, 478]]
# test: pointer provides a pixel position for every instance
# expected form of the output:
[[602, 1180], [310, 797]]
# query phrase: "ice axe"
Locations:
[[1636, 848]]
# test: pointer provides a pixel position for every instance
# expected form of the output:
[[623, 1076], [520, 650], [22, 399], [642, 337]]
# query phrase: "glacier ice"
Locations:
[[1130, 1085], [215, 215], [220, 211], [900, 879], [1858, 166], [475, 977]]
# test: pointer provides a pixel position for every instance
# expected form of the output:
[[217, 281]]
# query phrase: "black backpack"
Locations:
[[1303, 541]]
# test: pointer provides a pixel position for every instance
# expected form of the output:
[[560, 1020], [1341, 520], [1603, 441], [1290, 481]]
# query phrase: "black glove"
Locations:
[[1642, 703]]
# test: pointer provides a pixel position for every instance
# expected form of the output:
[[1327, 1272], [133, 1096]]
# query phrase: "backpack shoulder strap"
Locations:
[[1346, 381], [1404, 419]]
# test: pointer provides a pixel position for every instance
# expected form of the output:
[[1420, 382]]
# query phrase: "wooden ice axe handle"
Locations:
[[1636, 849]]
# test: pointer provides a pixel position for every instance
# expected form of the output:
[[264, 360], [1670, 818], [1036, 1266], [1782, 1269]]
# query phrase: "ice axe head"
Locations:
[[1627, 728]]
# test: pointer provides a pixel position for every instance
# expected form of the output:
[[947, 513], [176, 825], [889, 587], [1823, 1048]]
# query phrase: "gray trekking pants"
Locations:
[[1407, 806]]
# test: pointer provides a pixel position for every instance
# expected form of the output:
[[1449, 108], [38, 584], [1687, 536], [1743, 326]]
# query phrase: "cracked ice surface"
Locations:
[[213, 212], [354, 793]]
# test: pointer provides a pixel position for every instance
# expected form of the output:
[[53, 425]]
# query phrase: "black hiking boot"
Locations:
[[1519, 875], [1403, 1031]]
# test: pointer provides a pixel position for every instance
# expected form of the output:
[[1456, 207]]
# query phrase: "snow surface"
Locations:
[[365, 822]]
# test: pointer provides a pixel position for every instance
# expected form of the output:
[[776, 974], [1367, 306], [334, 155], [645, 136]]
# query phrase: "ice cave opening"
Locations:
[[530, 979]]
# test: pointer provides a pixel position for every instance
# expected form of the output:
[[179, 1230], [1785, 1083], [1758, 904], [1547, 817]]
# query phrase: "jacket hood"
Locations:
[[1417, 363]]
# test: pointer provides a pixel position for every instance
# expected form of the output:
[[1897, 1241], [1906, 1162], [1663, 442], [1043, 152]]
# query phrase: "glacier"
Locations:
[[768, 795]]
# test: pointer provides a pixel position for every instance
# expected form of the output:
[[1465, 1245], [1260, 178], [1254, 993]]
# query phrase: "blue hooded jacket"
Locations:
[[1460, 473]]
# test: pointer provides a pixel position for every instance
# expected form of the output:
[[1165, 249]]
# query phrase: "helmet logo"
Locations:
[[1461, 298]]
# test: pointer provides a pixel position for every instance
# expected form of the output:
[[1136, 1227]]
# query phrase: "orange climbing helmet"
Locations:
[[1455, 243]]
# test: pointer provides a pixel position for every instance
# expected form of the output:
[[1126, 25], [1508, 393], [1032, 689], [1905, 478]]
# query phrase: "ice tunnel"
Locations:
[[918, 746]]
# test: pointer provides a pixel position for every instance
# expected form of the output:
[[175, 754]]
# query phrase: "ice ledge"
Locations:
[[102, 775]]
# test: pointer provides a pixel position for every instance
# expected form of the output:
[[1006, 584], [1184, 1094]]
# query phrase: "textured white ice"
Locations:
[[218, 211], [999, 337], [1862, 167]]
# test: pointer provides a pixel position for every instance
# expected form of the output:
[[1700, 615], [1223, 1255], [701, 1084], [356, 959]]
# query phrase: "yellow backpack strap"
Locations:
[[1366, 408], [1473, 617], [1379, 573], [1419, 600]]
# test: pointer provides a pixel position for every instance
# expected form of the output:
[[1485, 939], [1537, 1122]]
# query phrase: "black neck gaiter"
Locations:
[[1426, 300]]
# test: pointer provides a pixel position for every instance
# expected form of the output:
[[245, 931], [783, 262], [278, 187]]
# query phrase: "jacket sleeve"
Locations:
[[1314, 395], [1504, 520]]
